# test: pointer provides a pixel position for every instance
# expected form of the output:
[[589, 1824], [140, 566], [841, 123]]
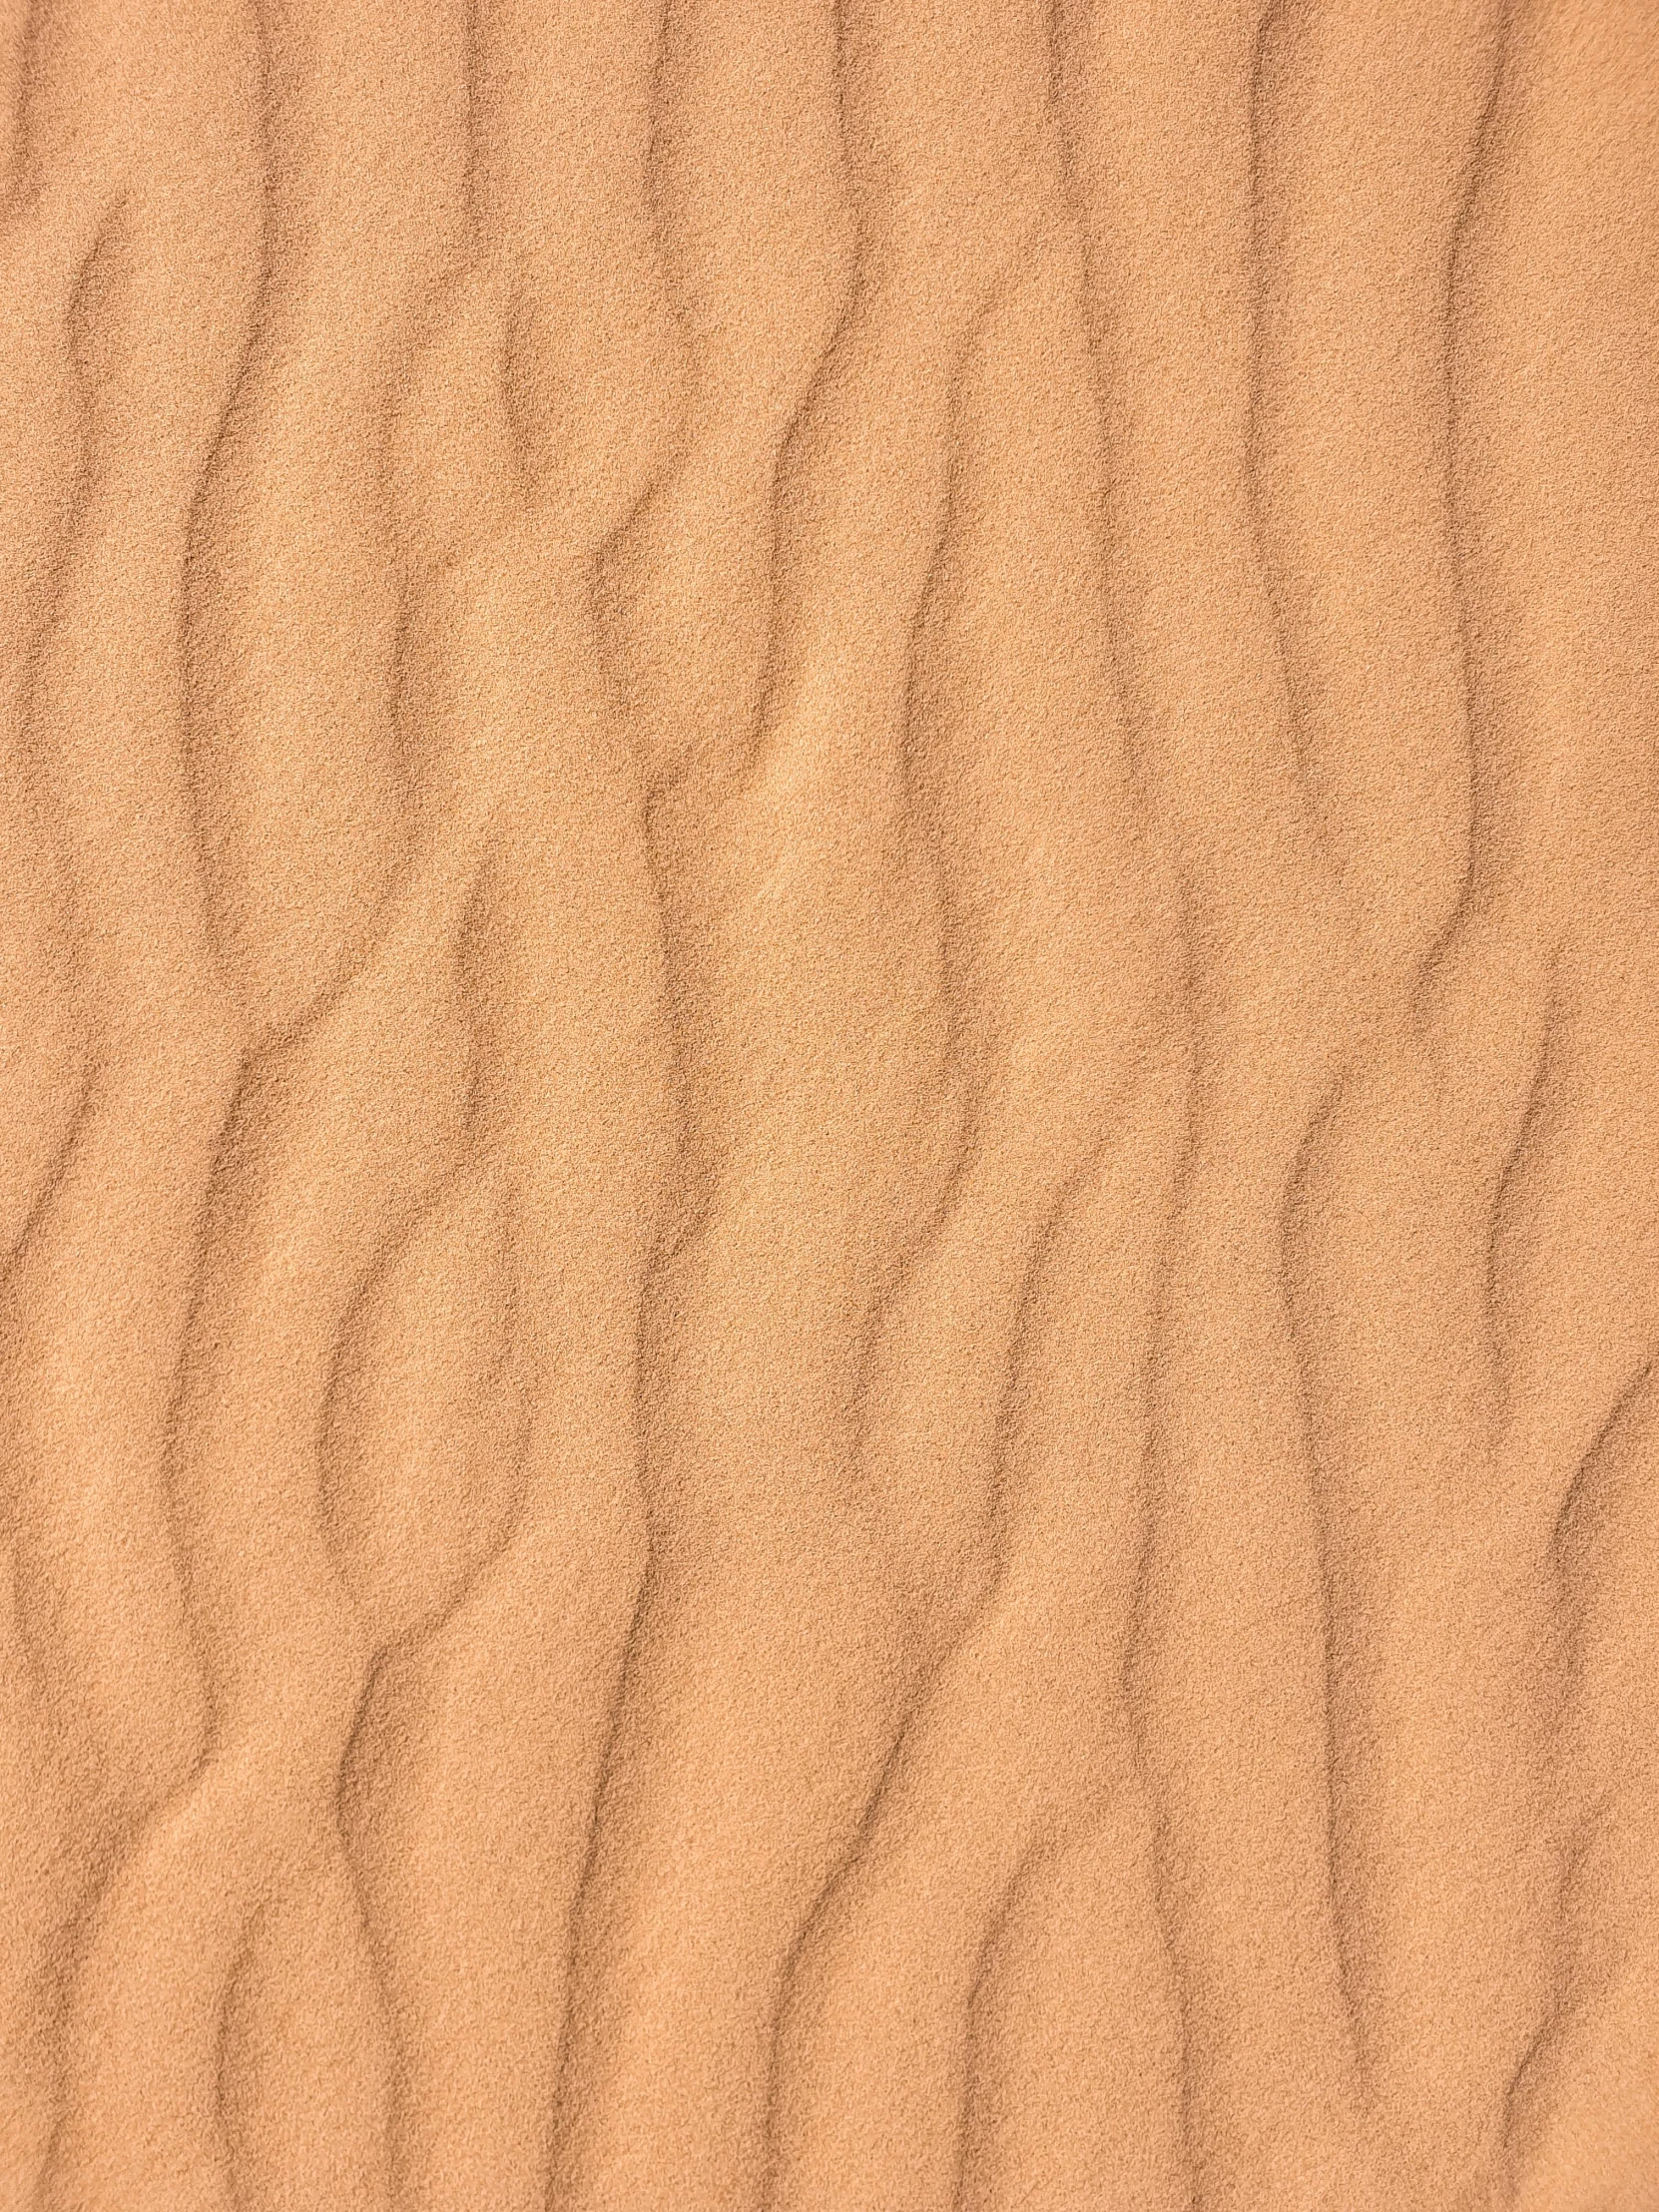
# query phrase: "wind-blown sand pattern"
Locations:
[[829, 1170]]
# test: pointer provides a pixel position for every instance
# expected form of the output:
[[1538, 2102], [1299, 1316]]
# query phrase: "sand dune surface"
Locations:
[[830, 1155]]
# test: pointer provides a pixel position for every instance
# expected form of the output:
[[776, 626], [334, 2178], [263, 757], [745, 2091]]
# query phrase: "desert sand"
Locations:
[[828, 1175]]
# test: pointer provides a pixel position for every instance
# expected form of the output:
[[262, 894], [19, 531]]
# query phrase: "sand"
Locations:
[[829, 1177]]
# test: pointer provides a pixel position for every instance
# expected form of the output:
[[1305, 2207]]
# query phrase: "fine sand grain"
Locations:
[[830, 1142]]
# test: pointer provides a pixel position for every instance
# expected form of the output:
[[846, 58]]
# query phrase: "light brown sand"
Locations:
[[828, 1170]]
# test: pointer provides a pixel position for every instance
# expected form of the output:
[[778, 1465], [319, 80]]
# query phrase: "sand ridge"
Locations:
[[828, 1187]]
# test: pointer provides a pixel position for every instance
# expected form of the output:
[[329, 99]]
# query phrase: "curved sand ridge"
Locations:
[[828, 1164]]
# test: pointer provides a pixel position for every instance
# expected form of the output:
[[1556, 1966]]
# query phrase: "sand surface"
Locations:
[[828, 1175]]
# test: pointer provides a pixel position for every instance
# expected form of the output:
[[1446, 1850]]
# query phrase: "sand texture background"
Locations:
[[828, 1176]]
